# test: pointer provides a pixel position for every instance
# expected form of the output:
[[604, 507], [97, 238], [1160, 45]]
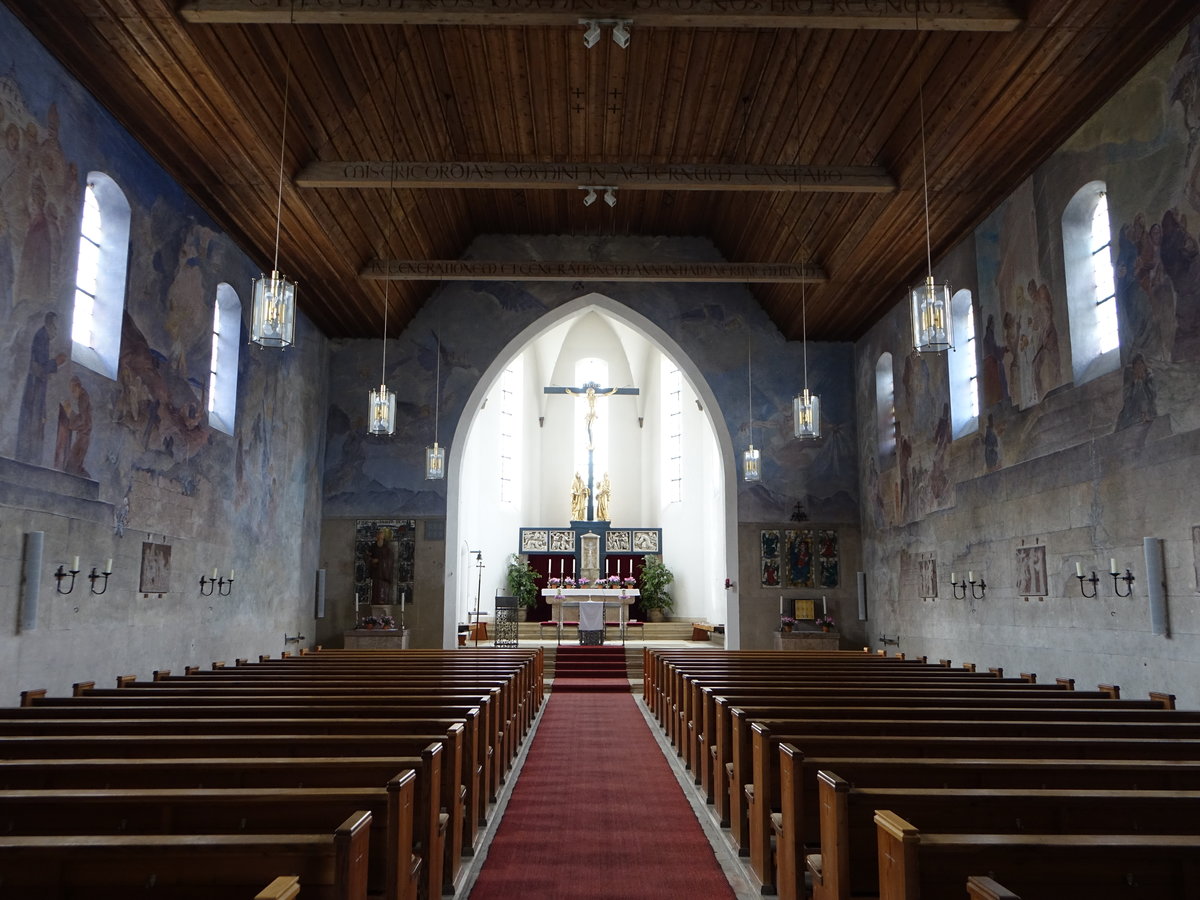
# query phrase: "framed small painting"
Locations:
[[156, 568]]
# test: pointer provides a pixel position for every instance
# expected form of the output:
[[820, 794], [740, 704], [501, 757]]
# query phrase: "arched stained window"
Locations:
[[223, 363], [100, 276], [963, 364], [1091, 290], [885, 410]]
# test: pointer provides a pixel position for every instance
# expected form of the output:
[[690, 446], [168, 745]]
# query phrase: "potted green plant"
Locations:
[[521, 579], [656, 599]]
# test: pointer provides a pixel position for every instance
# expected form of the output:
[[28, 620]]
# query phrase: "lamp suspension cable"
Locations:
[[287, 85], [751, 458], [931, 324], [382, 403]]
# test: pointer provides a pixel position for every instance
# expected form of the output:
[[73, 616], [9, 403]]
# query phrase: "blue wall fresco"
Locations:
[[710, 322], [142, 440]]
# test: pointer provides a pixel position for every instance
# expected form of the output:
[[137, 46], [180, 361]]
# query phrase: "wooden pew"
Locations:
[[763, 794], [716, 733], [845, 865], [915, 865], [331, 865], [432, 800], [254, 772], [392, 870], [796, 826], [220, 722], [494, 762], [980, 887], [285, 887], [732, 765]]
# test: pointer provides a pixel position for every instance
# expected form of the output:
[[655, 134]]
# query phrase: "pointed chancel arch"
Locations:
[[719, 553]]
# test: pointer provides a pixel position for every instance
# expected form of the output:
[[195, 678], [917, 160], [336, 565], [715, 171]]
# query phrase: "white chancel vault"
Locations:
[[663, 459]]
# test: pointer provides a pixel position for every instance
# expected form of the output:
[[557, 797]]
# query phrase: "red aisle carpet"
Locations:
[[597, 814]]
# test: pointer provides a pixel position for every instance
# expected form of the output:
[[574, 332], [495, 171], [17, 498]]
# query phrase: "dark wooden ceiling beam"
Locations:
[[963, 15], [630, 176], [586, 270]]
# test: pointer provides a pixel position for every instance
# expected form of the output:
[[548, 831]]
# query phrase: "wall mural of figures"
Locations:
[[143, 438], [799, 558]]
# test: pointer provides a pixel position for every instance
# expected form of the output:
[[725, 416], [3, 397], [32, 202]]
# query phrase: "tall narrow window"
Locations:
[[963, 364], [100, 276], [1091, 290], [885, 410], [672, 433], [223, 362], [510, 436]]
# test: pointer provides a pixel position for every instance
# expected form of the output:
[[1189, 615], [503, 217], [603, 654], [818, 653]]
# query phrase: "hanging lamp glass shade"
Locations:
[[435, 462], [751, 465], [806, 409], [382, 411], [931, 317], [273, 323]]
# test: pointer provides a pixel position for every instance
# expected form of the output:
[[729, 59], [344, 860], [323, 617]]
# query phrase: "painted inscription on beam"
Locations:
[[666, 177], [582, 270], [896, 15]]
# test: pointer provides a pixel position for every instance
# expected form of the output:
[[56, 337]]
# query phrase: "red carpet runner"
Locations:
[[598, 815], [591, 669]]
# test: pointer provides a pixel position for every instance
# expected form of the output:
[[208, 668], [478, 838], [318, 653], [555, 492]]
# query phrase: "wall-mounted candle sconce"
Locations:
[[62, 573], [1117, 577], [1093, 581], [95, 576], [960, 587], [224, 586]]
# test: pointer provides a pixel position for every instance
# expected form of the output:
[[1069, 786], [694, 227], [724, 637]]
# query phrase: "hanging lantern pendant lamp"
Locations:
[[806, 407], [751, 459], [930, 300], [273, 315], [435, 456]]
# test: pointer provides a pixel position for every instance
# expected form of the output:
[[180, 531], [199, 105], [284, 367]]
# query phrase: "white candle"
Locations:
[[75, 565], [971, 577], [1112, 565], [781, 604], [1079, 569], [231, 571], [954, 578], [214, 573], [402, 601], [108, 566], [824, 608]]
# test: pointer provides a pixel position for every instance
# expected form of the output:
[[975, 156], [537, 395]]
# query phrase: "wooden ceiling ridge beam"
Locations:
[[892, 15], [632, 176], [587, 270]]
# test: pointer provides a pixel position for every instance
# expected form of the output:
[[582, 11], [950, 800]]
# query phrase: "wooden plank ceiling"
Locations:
[[701, 123]]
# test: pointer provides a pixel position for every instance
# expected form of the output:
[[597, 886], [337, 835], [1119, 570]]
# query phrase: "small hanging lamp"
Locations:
[[273, 315], [931, 327], [751, 459], [806, 407], [435, 456], [381, 403]]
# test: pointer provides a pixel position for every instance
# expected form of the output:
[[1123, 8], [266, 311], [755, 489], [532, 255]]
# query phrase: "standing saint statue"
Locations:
[[579, 495], [603, 495]]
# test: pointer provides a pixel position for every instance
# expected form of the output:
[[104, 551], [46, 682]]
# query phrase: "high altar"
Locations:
[[572, 597]]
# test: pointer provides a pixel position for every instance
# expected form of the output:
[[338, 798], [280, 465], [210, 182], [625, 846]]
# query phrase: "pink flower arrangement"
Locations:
[[583, 582], [554, 582], [613, 580], [568, 582], [629, 581]]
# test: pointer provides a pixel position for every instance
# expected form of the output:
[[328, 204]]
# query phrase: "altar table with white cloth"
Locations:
[[572, 598]]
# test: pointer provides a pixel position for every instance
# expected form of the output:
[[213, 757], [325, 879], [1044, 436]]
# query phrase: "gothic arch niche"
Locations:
[[548, 348]]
